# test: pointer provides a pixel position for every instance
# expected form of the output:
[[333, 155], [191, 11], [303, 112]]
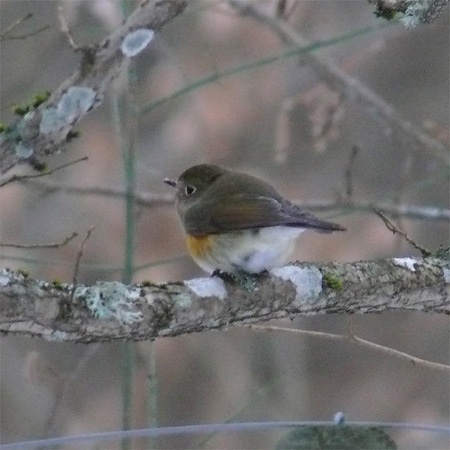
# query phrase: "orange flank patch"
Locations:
[[198, 246]]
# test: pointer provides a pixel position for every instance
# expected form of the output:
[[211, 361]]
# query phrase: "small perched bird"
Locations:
[[237, 223]]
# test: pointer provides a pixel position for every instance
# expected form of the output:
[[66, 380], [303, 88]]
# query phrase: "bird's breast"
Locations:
[[249, 250], [199, 246]]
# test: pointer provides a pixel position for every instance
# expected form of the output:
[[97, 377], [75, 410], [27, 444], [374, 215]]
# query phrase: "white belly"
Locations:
[[251, 251]]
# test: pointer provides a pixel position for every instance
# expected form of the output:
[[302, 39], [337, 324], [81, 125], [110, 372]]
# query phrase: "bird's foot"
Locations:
[[246, 281]]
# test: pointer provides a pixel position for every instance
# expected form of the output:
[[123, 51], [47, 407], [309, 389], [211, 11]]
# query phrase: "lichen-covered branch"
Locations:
[[412, 12], [111, 311], [43, 130]]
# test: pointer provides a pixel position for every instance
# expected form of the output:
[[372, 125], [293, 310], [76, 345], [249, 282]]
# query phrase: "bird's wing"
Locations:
[[247, 211]]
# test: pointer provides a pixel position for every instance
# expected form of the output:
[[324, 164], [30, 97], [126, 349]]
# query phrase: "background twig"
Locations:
[[42, 174], [51, 245], [391, 227]]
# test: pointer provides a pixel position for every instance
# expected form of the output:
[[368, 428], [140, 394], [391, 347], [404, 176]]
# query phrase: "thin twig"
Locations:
[[43, 174], [149, 199], [358, 341], [15, 25], [349, 174], [4, 36], [22, 37], [404, 177], [77, 262], [107, 268], [65, 29], [391, 227], [51, 245], [141, 198]]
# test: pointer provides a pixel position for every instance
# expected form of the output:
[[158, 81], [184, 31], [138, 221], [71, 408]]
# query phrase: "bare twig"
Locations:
[[103, 267], [5, 35], [22, 37], [43, 174], [77, 262], [65, 29], [15, 25], [141, 198], [358, 341], [344, 83], [149, 199], [51, 245], [348, 193], [391, 227], [404, 177]]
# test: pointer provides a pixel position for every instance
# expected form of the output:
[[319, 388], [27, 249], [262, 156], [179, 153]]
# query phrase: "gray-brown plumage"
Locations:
[[212, 199]]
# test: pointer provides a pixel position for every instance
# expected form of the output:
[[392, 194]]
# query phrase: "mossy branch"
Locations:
[[112, 311], [43, 130]]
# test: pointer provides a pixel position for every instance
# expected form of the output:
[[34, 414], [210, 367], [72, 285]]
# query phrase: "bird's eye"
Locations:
[[189, 189]]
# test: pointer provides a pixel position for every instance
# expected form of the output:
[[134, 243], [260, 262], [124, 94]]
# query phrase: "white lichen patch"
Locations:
[[183, 301], [414, 13], [134, 42], [111, 300], [57, 336], [307, 280], [23, 125], [207, 287], [73, 104], [446, 275], [407, 263], [23, 151], [5, 278]]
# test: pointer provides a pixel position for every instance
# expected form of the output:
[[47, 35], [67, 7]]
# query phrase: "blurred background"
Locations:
[[278, 121]]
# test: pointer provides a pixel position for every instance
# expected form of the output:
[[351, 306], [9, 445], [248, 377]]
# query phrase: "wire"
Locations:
[[209, 428]]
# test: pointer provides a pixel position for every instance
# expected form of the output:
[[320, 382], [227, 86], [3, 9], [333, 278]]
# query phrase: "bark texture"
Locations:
[[112, 311]]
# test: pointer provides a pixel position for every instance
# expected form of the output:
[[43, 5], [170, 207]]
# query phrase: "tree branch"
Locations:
[[413, 11], [149, 199], [44, 130], [111, 311], [345, 84]]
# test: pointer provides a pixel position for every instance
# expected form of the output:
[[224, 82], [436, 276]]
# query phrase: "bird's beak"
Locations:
[[170, 182]]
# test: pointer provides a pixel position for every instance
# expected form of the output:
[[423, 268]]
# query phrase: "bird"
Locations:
[[236, 223]]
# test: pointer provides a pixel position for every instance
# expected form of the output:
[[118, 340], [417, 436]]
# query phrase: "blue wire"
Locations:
[[209, 428]]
